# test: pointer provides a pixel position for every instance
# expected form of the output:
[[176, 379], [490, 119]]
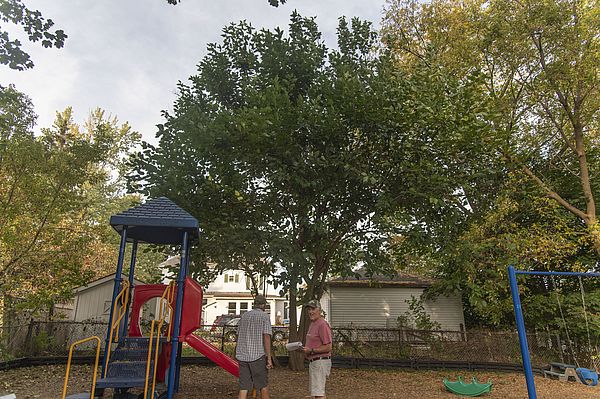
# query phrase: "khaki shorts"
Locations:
[[318, 371], [253, 374]]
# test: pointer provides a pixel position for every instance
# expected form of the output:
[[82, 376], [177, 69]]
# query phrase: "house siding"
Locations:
[[90, 303], [380, 307]]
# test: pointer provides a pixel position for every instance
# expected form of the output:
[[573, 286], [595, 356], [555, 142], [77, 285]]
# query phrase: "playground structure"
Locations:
[[585, 376], [130, 359]]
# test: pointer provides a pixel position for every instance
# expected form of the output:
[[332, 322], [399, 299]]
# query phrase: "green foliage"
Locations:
[[524, 229], [40, 343], [57, 191], [294, 155], [37, 28], [539, 61], [533, 203], [416, 316]]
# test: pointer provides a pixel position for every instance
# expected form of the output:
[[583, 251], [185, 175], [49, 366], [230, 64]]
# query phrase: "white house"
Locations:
[[229, 293], [377, 302]]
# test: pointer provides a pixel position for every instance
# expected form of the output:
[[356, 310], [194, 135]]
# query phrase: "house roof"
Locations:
[[103, 280], [158, 221], [379, 281]]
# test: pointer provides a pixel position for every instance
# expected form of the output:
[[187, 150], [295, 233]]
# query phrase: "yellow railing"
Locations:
[[122, 299], [64, 394], [165, 310]]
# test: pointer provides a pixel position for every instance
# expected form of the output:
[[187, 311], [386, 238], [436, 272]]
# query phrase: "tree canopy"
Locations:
[[38, 29], [539, 62], [57, 191], [307, 158]]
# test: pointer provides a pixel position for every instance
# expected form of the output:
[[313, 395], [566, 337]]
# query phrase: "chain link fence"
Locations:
[[38, 339]]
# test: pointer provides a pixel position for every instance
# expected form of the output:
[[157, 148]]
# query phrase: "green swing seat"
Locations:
[[475, 388]]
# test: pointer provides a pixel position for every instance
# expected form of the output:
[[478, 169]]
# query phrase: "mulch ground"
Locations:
[[201, 382]]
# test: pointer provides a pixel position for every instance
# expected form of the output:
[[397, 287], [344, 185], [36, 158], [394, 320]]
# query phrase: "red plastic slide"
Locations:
[[221, 359]]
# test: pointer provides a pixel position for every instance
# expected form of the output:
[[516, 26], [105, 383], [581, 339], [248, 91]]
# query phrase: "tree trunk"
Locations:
[[297, 358]]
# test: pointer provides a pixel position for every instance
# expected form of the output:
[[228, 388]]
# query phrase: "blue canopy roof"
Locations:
[[158, 221]]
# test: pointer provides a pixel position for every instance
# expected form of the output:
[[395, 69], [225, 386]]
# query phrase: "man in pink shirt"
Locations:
[[317, 350]]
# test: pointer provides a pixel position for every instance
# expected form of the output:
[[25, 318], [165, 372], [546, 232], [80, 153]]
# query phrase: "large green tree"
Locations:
[[307, 158], [57, 191], [539, 62]]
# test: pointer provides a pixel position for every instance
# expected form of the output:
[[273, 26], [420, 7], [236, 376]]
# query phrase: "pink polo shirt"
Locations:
[[319, 333]]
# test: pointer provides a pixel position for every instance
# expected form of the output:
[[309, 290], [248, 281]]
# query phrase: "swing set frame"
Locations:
[[514, 289]]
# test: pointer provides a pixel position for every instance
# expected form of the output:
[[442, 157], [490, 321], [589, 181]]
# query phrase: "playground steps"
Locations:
[[127, 365]]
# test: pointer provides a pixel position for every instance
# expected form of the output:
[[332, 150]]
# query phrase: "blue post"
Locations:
[[173, 378], [125, 324], [116, 289], [185, 261], [514, 289]]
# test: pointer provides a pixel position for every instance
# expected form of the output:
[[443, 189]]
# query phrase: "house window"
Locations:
[[226, 279], [268, 308], [243, 307], [237, 278], [232, 308], [286, 310]]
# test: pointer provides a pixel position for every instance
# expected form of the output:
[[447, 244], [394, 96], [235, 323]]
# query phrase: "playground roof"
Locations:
[[158, 221]]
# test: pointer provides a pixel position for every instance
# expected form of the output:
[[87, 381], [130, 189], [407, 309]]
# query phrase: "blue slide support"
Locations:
[[173, 376], [185, 263]]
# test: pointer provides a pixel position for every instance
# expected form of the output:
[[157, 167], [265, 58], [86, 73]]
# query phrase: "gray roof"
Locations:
[[157, 221], [362, 280]]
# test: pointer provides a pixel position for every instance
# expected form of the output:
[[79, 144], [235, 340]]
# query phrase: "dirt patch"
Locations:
[[200, 382]]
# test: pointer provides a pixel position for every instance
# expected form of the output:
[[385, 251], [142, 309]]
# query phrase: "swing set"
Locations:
[[586, 376]]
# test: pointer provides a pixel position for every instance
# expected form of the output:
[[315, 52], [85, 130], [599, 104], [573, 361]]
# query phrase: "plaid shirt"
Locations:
[[251, 328]]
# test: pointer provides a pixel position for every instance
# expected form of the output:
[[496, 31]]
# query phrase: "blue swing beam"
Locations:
[[514, 289]]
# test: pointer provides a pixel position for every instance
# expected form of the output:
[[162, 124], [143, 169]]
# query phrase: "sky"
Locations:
[[126, 56]]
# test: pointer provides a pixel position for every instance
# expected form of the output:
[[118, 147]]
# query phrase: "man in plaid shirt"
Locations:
[[253, 350]]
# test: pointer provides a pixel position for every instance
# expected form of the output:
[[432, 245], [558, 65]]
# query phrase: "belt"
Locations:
[[320, 358]]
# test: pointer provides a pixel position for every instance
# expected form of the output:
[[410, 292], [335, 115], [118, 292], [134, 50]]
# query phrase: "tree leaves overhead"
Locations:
[[38, 29], [538, 62], [58, 190], [313, 159]]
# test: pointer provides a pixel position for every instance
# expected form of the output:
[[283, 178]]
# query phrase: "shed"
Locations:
[[92, 301], [378, 301]]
